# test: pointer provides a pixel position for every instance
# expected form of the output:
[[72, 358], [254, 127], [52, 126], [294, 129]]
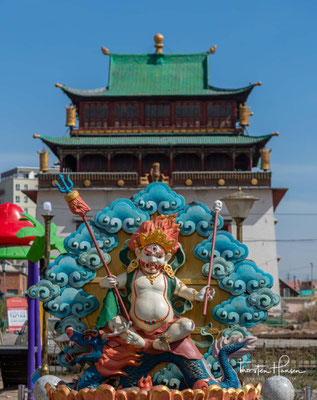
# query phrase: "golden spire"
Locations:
[[158, 39]]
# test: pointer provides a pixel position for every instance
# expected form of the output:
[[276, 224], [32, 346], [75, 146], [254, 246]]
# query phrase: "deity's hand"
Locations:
[[200, 296], [108, 282], [135, 339]]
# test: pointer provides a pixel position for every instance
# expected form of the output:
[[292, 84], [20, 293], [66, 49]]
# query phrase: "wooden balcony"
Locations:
[[221, 179], [181, 178], [93, 179]]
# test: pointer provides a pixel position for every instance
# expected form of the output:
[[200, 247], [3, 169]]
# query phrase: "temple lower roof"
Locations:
[[158, 140]]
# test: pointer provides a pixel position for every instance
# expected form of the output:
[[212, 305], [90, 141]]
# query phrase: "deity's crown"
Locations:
[[157, 237], [161, 230]]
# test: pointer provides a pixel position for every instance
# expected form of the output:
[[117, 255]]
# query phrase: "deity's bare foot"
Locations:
[[162, 343], [135, 339]]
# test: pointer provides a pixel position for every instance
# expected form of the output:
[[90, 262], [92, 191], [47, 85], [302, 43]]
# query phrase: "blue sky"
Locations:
[[274, 41]]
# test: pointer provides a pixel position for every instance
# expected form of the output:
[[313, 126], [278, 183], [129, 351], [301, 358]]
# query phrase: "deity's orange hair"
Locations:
[[161, 230]]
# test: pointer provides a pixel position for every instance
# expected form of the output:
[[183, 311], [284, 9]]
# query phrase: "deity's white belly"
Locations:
[[149, 302]]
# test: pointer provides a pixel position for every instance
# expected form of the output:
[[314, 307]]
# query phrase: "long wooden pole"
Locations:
[[217, 208], [106, 266]]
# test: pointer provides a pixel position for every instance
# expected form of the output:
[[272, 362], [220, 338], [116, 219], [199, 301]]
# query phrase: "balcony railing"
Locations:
[[93, 179], [221, 178], [180, 178]]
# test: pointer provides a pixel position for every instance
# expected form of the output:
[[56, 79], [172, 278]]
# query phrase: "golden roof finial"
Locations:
[[158, 39], [212, 49], [105, 51], [58, 85]]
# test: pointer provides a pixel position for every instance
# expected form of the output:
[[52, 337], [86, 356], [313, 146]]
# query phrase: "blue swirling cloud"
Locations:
[[72, 321], [72, 302], [236, 330], [246, 277], [92, 260], [226, 247], [237, 310], [80, 240], [66, 271], [123, 214], [196, 216], [264, 299], [220, 268], [44, 290], [158, 197]]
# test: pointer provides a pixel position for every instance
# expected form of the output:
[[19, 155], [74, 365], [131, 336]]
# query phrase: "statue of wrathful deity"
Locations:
[[150, 284]]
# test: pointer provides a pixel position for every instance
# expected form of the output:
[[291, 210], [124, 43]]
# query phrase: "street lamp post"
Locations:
[[4, 269], [47, 223], [239, 205], [23, 269]]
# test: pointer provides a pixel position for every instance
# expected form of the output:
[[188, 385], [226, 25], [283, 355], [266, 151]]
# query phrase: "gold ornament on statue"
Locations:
[[157, 237]]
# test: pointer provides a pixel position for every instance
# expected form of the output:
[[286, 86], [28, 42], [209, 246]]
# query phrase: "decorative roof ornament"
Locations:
[[44, 160], [212, 49], [158, 39], [105, 51]]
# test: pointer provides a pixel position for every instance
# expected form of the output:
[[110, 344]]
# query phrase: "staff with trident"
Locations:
[[78, 207], [217, 208]]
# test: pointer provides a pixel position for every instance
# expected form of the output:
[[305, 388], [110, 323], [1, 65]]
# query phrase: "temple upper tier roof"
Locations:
[[158, 74]]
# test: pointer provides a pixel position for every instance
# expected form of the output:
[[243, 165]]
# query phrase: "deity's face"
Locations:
[[152, 258]]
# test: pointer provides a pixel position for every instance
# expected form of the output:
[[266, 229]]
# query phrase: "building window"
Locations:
[[17, 199], [286, 292], [187, 114], [92, 112], [220, 115], [126, 114], [25, 199], [26, 187], [157, 115], [86, 112], [26, 210], [17, 186]]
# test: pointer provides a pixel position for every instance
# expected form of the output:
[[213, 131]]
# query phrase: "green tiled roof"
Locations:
[[158, 75], [157, 140]]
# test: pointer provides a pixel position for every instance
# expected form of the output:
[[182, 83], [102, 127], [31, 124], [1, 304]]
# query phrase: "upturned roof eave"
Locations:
[[212, 92], [54, 145]]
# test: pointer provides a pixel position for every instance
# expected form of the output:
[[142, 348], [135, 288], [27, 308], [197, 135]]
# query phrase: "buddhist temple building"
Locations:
[[160, 119]]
